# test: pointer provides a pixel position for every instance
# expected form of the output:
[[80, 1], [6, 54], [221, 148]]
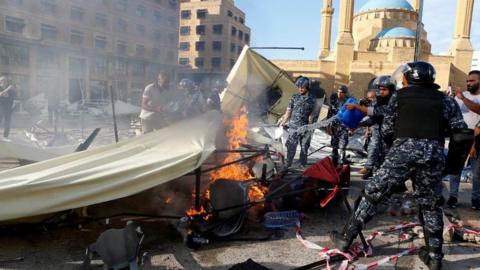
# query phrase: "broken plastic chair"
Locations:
[[118, 248]]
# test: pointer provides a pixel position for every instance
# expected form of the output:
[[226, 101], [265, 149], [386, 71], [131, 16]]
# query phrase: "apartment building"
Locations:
[[211, 36], [81, 48]]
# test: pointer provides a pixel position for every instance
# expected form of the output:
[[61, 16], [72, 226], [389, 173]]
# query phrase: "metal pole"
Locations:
[[418, 35], [115, 129], [277, 48], [198, 175]]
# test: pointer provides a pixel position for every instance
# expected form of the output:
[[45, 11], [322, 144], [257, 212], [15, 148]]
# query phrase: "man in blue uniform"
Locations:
[[416, 120], [299, 113], [339, 131]]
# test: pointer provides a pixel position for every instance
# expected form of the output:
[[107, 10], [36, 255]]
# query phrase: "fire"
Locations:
[[236, 134], [257, 192], [192, 212], [168, 200]]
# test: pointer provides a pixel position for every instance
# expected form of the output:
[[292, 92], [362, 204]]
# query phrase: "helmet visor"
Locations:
[[397, 75]]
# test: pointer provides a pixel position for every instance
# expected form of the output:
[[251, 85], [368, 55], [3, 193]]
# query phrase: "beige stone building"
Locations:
[[80, 48], [211, 36], [377, 39]]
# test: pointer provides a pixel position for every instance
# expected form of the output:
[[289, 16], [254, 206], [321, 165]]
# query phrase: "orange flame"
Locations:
[[168, 200], [257, 192], [236, 134], [192, 212]]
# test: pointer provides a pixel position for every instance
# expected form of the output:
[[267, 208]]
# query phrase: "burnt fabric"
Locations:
[[423, 161], [248, 265]]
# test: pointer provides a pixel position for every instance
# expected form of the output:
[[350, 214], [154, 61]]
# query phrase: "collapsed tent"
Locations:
[[109, 172], [27, 150], [257, 83]]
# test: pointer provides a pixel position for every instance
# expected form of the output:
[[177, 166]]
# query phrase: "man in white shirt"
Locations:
[[469, 102]]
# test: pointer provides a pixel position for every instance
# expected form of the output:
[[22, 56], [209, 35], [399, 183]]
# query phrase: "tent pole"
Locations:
[[198, 175], [115, 129]]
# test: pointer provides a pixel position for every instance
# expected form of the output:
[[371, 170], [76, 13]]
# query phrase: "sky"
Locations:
[[296, 23]]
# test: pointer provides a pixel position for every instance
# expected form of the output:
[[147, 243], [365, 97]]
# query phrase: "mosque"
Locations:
[[377, 39]]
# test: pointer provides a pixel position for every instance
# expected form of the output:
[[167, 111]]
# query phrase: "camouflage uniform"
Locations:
[[301, 106], [374, 150], [339, 138], [423, 161]]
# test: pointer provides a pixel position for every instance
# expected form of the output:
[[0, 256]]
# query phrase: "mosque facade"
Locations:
[[378, 38]]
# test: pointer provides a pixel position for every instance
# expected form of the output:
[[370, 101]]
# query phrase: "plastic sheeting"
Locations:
[[108, 172], [249, 81]]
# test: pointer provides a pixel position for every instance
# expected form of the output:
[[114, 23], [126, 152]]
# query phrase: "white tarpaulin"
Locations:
[[27, 150], [249, 82], [109, 172]]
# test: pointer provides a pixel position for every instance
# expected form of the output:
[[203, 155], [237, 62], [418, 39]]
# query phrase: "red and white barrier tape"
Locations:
[[357, 248], [453, 227]]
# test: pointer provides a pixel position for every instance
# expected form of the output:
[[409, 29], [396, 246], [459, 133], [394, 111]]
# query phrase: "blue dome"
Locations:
[[396, 32], [386, 4]]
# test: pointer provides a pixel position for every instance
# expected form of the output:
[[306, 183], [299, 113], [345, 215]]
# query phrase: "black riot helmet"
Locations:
[[416, 73], [385, 81]]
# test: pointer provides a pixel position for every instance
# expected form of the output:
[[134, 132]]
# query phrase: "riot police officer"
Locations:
[[416, 119]]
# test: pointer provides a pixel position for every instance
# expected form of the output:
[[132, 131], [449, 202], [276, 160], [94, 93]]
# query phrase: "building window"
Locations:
[[239, 49], [139, 50], [122, 5], [157, 35], [100, 42], [100, 66], [247, 38], [234, 31], [98, 90], [140, 11], [14, 55], [185, 30], [172, 4], [171, 21], [49, 6], [218, 29], [184, 46], [122, 25], [171, 56], [15, 25], [120, 67], [157, 16], [121, 47], [232, 63], [47, 58], [235, 18], [138, 69], [184, 61], [240, 35], [199, 62], [241, 20], [172, 38], [156, 53], [200, 46], [200, 29], [76, 13], [202, 13], [76, 38], [217, 46], [101, 20], [140, 29], [48, 31], [232, 47], [216, 62], [229, 13], [76, 65], [185, 14]]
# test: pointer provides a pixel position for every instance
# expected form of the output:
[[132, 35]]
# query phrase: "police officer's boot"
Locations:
[[430, 256], [341, 241]]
